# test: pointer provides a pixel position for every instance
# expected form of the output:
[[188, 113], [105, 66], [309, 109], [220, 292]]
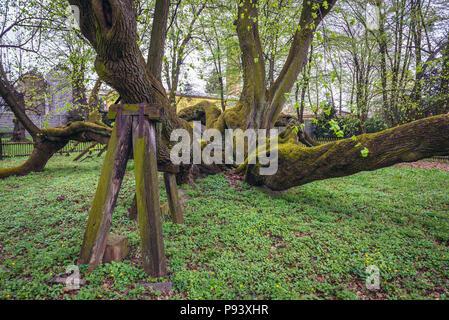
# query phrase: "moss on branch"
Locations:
[[300, 165]]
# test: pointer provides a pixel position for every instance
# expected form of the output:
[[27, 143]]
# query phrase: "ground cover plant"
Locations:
[[238, 242]]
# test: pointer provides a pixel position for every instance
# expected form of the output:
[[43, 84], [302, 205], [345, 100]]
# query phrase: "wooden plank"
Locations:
[[132, 212], [85, 151], [147, 195], [173, 198], [151, 111], [100, 214]]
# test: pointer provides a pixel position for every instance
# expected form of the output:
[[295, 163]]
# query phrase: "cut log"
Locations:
[[117, 248], [165, 209], [132, 212]]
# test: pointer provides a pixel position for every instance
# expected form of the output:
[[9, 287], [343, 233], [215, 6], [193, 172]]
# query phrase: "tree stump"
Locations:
[[165, 209]]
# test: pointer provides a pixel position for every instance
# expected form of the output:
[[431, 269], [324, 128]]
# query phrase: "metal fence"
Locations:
[[23, 149]]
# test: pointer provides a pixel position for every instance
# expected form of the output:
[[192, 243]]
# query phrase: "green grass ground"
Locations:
[[312, 242]]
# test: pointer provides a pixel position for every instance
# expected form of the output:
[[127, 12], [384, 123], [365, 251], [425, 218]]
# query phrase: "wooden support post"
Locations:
[[132, 212], [173, 198], [100, 214], [85, 151], [102, 150], [72, 148], [147, 195]]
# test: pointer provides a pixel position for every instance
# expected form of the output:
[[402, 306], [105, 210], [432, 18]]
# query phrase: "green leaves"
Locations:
[[364, 152], [336, 128], [295, 130]]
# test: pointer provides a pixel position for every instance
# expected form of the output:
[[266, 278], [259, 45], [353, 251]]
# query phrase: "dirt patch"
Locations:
[[234, 178], [426, 165]]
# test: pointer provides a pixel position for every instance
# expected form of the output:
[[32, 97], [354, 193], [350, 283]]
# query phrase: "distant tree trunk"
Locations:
[[305, 86], [79, 91], [416, 27], [222, 97], [18, 133], [444, 81]]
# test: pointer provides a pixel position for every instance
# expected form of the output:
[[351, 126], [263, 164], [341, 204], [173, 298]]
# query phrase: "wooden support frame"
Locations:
[[176, 210], [152, 112], [147, 195], [100, 214], [135, 126]]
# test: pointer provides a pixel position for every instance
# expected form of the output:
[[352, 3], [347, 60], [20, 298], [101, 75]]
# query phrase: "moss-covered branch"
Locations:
[[300, 165], [51, 140], [79, 131], [42, 152], [204, 111]]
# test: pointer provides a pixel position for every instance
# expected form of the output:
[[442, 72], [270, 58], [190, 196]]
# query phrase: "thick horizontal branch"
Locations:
[[410, 142], [79, 131]]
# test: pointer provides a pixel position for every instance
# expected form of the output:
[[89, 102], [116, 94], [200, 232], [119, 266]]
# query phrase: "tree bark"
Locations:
[[158, 35], [260, 106], [18, 134], [410, 142], [42, 152]]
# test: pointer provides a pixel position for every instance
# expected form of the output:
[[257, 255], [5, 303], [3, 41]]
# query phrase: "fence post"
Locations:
[[1, 150]]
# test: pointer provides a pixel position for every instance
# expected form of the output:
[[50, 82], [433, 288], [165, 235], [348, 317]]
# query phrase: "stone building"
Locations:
[[33, 87], [47, 100], [59, 92]]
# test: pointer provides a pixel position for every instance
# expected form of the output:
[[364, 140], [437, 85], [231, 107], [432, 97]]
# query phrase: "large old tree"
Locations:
[[110, 27]]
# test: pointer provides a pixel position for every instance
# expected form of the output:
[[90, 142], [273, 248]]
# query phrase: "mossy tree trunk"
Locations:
[[18, 134], [260, 105], [300, 165], [111, 28]]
